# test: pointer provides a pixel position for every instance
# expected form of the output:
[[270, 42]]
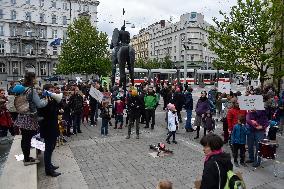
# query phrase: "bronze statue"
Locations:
[[122, 54]]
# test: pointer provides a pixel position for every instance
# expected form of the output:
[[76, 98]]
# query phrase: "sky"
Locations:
[[143, 13]]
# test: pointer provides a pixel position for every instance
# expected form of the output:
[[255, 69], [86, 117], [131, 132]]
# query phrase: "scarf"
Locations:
[[214, 152]]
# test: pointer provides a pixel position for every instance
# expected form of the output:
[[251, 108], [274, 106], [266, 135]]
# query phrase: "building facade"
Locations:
[[140, 44], [168, 39], [32, 31]]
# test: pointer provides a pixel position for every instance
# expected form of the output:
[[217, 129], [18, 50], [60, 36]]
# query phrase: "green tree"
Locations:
[[85, 51], [167, 63], [242, 39]]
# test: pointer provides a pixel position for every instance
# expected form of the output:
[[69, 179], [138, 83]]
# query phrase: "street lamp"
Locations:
[[186, 47]]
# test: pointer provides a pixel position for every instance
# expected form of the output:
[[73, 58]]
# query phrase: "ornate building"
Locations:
[[32, 31], [140, 44]]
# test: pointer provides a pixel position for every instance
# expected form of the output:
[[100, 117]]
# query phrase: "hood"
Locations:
[[223, 159]]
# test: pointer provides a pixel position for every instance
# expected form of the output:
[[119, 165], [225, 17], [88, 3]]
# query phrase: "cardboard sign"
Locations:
[[224, 87], [253, 102], [96, 94]]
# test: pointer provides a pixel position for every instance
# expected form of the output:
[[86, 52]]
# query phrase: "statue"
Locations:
[[122, 54]]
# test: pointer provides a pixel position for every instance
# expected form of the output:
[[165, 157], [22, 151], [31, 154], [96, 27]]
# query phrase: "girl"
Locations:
[[172, 123], [208, 122]]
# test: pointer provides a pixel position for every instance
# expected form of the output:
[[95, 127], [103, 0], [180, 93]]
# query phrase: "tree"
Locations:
[[242, 40], [167, 64], [85, 51]]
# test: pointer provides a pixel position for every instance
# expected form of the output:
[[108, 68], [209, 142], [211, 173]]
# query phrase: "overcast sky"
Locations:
[[142, 13]]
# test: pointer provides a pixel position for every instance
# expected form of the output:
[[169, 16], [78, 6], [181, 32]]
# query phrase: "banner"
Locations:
[[96, 94], [253, 102], [224, 87]]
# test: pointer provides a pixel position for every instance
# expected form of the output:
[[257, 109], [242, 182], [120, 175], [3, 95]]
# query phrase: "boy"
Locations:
[[238, 140], [105, 118]]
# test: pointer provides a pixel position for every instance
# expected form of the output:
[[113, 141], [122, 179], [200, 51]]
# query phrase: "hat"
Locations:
[[18, 89]]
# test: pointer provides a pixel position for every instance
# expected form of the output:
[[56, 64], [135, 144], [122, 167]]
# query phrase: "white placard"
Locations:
[[253, 102], [96, 94], [38, 144], [224, 87]]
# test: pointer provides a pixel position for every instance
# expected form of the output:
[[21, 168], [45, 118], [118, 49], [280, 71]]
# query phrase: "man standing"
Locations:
[[151, 102], [94, 105], [188, 107], [76, 106], [49, 130]]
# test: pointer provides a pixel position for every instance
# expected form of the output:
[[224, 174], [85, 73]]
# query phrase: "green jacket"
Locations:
[[150, 101]]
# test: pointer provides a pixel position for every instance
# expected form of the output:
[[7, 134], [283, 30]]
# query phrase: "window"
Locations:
[[53, 4], [29, 49], [15, 67], [1, 48], [13, 15], [43, 68], [41, 33], [1, 30], [64, 20], [54, 34], [41, 17], [65, 7], [2, 68], [28, 33], [53, 19], [28, 2], [1, 13], [41, 3], [28, 16], [13, 2], [54, 50], [192, 57], [13, 31]]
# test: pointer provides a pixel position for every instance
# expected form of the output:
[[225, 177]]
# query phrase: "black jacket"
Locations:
[[210, 177], [188, 104], [134, 105], [49, 125], [76, 104], [178, 100]]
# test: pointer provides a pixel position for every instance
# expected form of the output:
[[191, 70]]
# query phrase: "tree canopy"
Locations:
[[85, 50], [154, 63], [243, 39]]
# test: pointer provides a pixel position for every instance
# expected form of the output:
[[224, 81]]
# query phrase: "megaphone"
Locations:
[[57, 97]]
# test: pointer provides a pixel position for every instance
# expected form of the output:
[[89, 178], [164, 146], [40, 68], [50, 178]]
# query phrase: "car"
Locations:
[[53, 78]]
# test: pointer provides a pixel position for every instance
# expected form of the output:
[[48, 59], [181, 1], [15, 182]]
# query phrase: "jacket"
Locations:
[[260, 117], [188, 104], [232, 117], [119, 107], [239, 134], [210, 176], [150, 101], [172, 119], [76, 104], [49, 125], [134, 105], [202, 107], [178, 100]]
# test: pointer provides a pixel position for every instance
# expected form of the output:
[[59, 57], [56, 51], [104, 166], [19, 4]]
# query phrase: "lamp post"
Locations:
[[186, 47]]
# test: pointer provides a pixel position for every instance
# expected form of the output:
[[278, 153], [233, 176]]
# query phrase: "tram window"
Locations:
[[189, 75], [206, 76]]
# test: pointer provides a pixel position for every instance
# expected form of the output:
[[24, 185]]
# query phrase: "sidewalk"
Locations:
[[91, 161]]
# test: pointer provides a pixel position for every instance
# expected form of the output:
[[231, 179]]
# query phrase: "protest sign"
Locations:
[[224, 87], [253, 102], [37, 144], [96, 94]]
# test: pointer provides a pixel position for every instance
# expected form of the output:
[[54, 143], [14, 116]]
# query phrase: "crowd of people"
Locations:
[[139, 103]]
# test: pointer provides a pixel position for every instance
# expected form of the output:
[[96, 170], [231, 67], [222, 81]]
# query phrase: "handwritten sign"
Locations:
[[253, 102], [224, 87], [96, 94]]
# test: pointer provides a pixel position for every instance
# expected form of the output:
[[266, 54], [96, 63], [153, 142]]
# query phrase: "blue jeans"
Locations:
[[49, 147], [104, 128], [188, 119], [252, 140], [76, 123]]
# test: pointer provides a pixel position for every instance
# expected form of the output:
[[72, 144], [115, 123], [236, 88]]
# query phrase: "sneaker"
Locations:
[[53, 174], [236, 164], [243, 164], [146, 127]]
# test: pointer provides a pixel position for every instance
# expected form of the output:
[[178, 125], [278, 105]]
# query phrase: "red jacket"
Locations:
[[232, 117], [5, 119]]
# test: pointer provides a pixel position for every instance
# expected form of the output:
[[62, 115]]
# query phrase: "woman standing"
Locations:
[[202, 106], [28, 123]]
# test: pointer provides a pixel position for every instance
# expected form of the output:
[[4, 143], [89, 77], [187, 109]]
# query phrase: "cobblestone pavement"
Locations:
[[91, 161]]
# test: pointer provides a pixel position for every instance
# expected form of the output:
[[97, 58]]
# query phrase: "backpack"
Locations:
[[233, 180], [22, 103]]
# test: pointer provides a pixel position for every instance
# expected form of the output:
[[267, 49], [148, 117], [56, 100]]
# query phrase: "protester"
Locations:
[[238, 140], [134, 104], [76, 107], [202, 107], [28, 123], [188, 107], [151, 103], [94, 105], [49, 130], [6, 122], [172, 123], [233, 113], [86, 110], [217, 163]]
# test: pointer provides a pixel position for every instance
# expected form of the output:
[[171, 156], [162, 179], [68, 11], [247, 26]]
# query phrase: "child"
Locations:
[[208, 122], [105, 118], [165, 184], [86, 110], [118, 109], [238, 140], [172, 123]]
